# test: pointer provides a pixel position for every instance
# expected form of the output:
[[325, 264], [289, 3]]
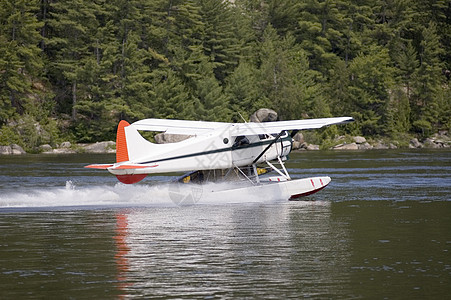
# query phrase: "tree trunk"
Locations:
[[74, 100]]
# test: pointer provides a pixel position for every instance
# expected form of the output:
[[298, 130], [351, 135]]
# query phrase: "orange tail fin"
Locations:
[[122, 154], [121, 142]]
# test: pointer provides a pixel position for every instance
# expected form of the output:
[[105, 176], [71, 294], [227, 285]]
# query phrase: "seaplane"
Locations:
[[252, 155]]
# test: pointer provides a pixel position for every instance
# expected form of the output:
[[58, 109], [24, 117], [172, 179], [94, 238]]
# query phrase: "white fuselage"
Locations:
[[219, 149]]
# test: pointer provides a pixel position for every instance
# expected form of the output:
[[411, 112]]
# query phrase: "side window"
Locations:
[[240, 141]]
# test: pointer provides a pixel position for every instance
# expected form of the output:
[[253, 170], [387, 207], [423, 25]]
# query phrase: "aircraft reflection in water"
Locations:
[[183, 252], [122, 250], [235, 151]]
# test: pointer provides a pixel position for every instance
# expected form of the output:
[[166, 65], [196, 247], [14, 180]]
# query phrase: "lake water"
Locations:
[[380, 230]]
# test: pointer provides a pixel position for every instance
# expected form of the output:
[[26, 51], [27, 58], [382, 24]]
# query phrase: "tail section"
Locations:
[[122, 151], [121, 142]]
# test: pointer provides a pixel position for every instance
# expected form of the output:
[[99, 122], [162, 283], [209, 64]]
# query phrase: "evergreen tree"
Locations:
[[428, 81], [220, 42], [171, 98], [20, 59], [283, 15], [213, 103], [285, 79], [71, 26], [407, 64], [369, 88], [242, 90], [320, 31]]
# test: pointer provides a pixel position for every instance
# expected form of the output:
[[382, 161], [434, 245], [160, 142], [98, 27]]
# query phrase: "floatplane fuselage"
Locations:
[[212, 146]]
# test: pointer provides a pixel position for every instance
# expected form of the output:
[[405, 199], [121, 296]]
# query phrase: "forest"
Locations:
[[71, 69]]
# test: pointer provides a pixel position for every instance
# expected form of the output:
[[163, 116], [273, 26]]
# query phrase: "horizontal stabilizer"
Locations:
[[131, 167], [99, 166]]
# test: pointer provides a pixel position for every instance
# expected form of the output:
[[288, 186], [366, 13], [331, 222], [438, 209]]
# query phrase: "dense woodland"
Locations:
[[70, 69]]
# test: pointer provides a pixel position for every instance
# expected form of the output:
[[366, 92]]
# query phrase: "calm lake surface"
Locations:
[[380, 230]]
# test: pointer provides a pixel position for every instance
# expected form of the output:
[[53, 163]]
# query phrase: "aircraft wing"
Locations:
[[177, 126], [276, 127], [200, 127]]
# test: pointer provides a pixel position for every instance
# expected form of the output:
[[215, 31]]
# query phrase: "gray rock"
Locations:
[[303, 146], [380, 146], [352, 146], [263, 115], [17, 150], [359, 139], [101, 147], [65, 145], [46, 148], [312, 147], [296, 145], [299, 137], [415, 143], [5, 150], [63, 151], [365, 146], [165, 138], [430, 143]]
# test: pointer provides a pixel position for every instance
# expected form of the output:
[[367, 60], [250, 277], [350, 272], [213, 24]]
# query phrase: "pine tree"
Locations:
[[371, 80], [285, 78], [220, 42], [407, 63], [71, 26], [242, 90], [20, 59], [206, 88], [428, 81], [320, 31]]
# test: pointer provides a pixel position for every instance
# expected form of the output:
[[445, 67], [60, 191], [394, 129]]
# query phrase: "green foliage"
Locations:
[[75, 68], [9, 136]]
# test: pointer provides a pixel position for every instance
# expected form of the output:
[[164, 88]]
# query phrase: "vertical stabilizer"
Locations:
[[121, 142], [122, 154]]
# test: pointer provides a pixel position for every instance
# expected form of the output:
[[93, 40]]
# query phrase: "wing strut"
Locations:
[[269, 146]]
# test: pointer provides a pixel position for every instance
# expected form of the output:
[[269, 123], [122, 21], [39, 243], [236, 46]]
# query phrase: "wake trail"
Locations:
[[121, 195]]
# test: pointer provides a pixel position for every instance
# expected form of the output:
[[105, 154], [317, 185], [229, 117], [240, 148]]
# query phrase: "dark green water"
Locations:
[[380, 230]]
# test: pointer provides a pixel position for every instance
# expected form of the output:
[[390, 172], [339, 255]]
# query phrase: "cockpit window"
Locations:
[[240, 141]]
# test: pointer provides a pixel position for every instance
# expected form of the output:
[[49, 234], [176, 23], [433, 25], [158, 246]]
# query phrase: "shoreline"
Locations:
[[356, 143]]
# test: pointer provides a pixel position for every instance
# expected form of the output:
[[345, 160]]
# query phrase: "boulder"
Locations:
[[312, 147], [101, 147], [13, 149], [17, 150], [365, 146], [380, 146], [65, 145], [166, 138], [296, 145], [430, 143], [415, 143], [359, 139], [352, 146], [45, 148], [63, 151], [264, 115], [5, 150]]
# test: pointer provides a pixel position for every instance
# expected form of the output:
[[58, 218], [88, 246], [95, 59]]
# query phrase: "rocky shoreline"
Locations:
[[63, 148], [439, 140]]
